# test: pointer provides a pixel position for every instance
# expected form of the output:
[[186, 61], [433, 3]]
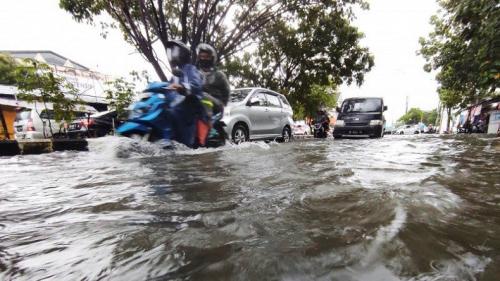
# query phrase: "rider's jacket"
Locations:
[[215, 83]]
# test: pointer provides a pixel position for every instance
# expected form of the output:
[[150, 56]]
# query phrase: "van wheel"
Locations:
[[286, 135], [239, 134]]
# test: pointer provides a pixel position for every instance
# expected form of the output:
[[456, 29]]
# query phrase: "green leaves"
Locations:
[[464, 50], [36, 82], [302, 52], [416, 115], [120, 95]]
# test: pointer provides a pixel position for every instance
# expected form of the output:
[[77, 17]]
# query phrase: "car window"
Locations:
[[284, 101], [260, 97], [238, 95], [273, 100], [23, 114], [362, 105]]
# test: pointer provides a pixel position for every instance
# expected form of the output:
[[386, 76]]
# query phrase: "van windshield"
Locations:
[[362, 105], [239, 95], [23, 114]]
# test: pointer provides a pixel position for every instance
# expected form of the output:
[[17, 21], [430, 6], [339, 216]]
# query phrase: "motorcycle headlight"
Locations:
[[340, 123], [376, 122]]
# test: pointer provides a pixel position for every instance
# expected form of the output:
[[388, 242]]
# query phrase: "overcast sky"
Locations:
[[391, 27]]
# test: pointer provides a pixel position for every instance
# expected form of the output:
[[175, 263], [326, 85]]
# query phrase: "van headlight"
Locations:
[[340, 123], [376, 122]]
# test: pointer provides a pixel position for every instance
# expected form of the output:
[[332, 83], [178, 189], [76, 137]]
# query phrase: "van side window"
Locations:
[[47, 114], [258, 99], [273, 100]]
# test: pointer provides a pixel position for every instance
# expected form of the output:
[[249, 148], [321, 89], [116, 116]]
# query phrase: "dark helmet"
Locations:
[[206, 48], [178, 53]]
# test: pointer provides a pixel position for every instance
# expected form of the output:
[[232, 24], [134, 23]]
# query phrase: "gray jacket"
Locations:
[[215, 83]]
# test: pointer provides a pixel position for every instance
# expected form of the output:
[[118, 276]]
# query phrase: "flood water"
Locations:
[[397, 208]]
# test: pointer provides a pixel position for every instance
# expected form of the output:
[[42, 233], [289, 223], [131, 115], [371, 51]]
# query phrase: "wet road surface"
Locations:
[[397, 208]]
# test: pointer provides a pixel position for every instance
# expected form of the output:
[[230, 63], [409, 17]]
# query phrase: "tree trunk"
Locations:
[[449, 120]]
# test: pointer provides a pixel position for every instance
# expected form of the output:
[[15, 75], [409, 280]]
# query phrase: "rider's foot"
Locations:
[[166, 144]]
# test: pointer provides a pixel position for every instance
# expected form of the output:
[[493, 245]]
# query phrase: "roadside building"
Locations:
[[89, 84]]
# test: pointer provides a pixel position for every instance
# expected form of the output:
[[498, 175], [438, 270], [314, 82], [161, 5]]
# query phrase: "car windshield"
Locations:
[[239, 95], [362, 105]]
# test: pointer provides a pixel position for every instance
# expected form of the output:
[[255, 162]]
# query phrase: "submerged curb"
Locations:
[[12, 147]]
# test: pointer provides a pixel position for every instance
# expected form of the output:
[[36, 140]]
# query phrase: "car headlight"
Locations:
[[376, 122], [340, 123], [227, 112]]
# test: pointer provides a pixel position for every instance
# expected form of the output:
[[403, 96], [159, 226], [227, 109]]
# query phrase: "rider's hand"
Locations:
[[179, 88]]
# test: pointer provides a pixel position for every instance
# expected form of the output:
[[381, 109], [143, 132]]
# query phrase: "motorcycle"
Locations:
[[320, 130], [154, 112]]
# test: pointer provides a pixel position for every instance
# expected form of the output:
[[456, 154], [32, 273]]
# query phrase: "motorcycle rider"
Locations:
[[323, 119], [183, 112], [215, 82]]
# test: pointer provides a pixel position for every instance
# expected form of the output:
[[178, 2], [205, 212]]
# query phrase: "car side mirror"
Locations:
[[385, 107], [337, 109]]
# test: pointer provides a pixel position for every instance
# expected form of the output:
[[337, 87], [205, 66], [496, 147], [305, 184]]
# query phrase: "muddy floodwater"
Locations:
[[399, 208]]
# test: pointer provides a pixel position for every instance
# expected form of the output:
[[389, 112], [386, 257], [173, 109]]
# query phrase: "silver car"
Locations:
[[257, 114]]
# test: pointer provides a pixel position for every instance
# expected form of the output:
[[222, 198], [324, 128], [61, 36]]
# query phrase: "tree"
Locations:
[[430, 117], [7, 69], [305, 60], [463, 49], [229, 25], [37, 82], [120, 95], [413, 116]]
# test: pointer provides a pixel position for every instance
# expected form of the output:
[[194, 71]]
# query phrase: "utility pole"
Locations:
[[406, 111]]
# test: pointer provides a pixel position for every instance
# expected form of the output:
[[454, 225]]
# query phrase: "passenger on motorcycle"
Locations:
[[184, 111], [215, 82]]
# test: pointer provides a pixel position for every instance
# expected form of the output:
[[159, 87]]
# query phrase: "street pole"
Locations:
[[406, 111]]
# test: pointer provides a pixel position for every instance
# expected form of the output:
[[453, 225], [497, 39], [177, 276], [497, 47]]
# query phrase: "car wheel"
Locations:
[[286, 135], [239, 134]]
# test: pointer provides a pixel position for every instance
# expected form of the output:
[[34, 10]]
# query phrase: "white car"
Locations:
[[256, 114], [408, 130], [301, 128], [35, 121]]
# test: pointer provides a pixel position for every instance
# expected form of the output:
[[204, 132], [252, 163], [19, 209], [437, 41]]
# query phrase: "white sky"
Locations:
[[391, 27]]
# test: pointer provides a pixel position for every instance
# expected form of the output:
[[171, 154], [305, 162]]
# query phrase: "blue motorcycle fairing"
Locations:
[[130, 127]]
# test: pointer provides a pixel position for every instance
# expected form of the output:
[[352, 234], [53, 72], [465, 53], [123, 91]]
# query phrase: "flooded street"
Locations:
[[397, 208]]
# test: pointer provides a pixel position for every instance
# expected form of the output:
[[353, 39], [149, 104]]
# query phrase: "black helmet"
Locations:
[[178, 53], [204, 47]]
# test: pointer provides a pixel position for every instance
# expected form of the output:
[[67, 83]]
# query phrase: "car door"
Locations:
[[258, 114], [275, 114]]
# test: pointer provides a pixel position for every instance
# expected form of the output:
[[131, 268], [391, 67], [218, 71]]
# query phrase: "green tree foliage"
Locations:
[[413, 116], [7, 69], [416, 115], [120, 95], [320, 50], [37, 82], [464, 50]]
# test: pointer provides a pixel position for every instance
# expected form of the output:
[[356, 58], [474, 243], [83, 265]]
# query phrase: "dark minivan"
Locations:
[[360, 117]]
